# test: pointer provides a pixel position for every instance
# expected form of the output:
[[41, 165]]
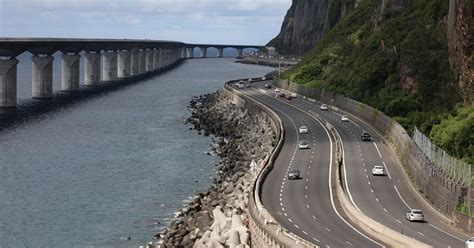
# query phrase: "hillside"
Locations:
[[397, 56]]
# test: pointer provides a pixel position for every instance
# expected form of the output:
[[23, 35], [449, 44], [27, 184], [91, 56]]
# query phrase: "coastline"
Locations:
[[217, 216]]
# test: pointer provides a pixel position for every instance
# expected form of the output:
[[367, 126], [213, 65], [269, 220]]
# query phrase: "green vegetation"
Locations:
[[398, 64]]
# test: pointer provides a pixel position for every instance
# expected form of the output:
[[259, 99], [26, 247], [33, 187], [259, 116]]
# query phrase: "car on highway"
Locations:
[[277, 90], [240, 85], [293, 95], [414, 215], [293, 174], [377, 170], [365, 136], [303, 144], [288, 97], [303, 129], [281, 94], [470, 243], [267, 86], [324, 107], [344, 118]]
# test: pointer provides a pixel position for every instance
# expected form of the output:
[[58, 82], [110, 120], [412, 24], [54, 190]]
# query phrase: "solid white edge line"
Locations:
[[449, 234], [401, 198], [330, 170]]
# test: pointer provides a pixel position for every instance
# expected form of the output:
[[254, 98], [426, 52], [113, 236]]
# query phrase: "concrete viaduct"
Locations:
[[105, 60]]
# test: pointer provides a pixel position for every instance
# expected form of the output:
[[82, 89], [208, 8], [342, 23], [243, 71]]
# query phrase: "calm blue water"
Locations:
[[113, 166]]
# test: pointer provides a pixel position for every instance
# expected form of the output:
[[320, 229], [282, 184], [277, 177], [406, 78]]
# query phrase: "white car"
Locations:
[[303, 144], [240, 85], [378, 170], [293, 95], [414, 215], [277, 90], [470, 243], [323, 107], [303, 129], [344, 118]]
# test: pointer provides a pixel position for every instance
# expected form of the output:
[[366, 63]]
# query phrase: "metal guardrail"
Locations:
[[274, 234]]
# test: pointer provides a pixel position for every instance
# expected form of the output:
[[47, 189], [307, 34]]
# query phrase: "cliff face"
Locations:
[[302, 27], [307, 21]]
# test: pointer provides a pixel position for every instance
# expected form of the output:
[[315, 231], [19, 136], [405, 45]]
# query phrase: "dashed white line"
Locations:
[[327, 229], [376, 147], [406, 204], [305, 233], [399, 221], [315, 239], [349, 243], [290, 220], [296, 226], [421, 233], [307, 206]]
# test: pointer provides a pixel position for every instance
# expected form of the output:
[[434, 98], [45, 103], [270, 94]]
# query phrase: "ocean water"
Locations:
[[107, 169]]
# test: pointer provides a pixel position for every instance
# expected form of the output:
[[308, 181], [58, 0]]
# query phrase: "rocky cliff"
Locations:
[[302, 27]]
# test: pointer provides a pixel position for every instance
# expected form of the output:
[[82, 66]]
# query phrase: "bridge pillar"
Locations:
[[70, 72], [142, 61], [134, 62], [189, 52], [42, 76], [149, 64], [164, 58], [182, 53], [123, 64], [240, 52], [91, 68], [8, 82], [157, 58], [109, 66], [220, 52], [203, 52]]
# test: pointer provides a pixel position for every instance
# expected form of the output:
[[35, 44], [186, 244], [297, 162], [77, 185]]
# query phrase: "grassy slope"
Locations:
[[368, 64]]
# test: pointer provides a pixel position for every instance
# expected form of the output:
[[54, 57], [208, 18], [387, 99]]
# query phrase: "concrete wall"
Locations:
[[432, 183], [265, 231]]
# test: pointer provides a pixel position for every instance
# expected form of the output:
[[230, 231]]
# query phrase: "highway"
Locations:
[[307, 208]]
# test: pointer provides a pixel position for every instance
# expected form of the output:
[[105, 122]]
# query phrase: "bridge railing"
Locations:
[[265, 230]]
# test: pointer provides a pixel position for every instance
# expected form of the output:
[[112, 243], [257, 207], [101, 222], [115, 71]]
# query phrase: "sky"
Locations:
[[240, 22]]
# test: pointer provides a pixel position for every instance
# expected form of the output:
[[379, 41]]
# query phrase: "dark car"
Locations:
[[365, 136], [281, 94], [293, 174], [288, 97], [268, 86]]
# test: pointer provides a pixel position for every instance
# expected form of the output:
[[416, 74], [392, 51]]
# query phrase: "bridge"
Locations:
[[105, 60]]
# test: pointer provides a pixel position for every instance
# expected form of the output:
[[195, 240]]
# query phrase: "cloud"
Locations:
[[223, 21]]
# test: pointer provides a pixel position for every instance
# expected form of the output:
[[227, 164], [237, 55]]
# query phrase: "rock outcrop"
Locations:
[[217, 217]]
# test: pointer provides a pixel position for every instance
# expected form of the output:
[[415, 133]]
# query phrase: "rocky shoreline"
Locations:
[[283, 64], [218, 217]]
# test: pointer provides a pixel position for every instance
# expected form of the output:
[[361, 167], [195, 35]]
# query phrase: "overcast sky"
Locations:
[[191, 21]]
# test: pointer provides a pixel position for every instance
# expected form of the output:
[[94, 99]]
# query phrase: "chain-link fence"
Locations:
[[455, 169]]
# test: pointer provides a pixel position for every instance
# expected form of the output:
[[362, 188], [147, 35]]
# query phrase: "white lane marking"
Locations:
[[315, 239], [327, 229], [307, 206], [314, 217], [388, 172], [384, 209], [421, 233], [439, 229], [399, 221], [376, 147], [354, 123], [408, 206], [305, 196], [331, 193], [290, 220], [296, 226], [285, 214], [305, 233], [347, 242]]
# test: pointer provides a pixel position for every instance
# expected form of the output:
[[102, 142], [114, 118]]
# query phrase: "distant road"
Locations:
[[306, 207]]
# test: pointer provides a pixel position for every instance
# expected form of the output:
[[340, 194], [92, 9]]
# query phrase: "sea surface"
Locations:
[[107, 169]]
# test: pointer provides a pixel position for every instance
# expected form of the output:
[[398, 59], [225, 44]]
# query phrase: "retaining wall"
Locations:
[[442, 192], [264, 230]]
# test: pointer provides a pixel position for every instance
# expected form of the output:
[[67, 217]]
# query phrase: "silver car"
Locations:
[[293, 174], [414, 215], [303, 144]]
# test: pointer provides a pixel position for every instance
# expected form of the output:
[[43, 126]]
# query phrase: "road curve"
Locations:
[[387, 198], [306, 206]]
